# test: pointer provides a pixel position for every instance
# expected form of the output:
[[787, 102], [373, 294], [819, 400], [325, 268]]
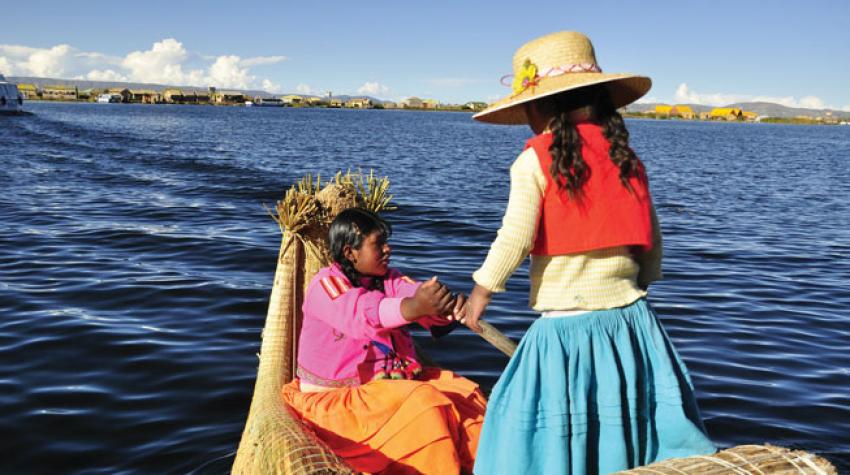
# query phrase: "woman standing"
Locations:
[[595, 385]]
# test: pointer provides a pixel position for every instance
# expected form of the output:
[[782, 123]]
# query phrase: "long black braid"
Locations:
[[351, 227], [569, 170]]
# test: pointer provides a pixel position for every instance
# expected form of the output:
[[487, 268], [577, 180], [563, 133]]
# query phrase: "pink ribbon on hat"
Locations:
[[559, 70]]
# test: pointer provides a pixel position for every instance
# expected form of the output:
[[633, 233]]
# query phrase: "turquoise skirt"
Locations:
[[591, 394]]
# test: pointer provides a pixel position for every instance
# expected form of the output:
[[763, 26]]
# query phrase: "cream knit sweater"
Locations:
[[600, 279]]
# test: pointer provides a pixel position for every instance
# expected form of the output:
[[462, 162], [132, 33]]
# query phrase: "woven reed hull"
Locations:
[[274, 440], [742, 460]]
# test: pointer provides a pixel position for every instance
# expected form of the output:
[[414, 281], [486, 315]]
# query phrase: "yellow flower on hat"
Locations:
[[526, 76]]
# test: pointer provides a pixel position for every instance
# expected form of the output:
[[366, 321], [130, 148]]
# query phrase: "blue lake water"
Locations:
[[136, 261]]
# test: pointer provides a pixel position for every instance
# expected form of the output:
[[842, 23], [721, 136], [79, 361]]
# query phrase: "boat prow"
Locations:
[[11, 100]]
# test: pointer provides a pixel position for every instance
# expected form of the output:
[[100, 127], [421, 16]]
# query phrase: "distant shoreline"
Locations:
[[439, 108], [627, 115], [763, 120]]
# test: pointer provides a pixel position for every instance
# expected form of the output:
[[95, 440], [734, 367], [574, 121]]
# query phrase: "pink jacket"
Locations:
[[345, 327]]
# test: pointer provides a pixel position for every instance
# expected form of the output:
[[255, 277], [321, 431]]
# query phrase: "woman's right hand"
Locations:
[[431, 298], [477, 303]]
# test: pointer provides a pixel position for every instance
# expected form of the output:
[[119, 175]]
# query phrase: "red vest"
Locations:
[[604, 214]]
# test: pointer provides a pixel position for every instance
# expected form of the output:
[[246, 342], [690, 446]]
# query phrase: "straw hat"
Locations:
[[556, 63]]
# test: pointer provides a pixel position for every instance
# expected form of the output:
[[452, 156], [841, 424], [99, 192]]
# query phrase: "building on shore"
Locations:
[[144, 96], [751, 116], [411, 103], [389, 105], [89, 94], [475, 106], [359, 103], [663, 109], [683, 111], [679, 110], [430, 104], [29, 91], [227, 97], [313, 100], [726, 113], [124, 93], [198, 96], [335, 103], [292, 100], [59, 93], [185, 96], [173, 96]]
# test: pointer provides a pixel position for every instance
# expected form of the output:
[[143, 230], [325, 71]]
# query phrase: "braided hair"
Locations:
[[351, 227], [569, 170]]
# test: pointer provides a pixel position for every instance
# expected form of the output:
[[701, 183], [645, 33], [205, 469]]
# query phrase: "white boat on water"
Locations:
[[11, 100], [268, 102], [109, 98]]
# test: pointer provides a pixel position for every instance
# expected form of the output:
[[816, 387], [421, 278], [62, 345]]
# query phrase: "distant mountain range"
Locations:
[[84, 84], [764, 109]]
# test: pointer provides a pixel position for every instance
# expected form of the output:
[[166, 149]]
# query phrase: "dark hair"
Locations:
[[351, 227], [569, 170]]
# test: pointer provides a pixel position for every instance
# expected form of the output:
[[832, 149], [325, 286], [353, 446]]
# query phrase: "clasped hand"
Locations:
[[433, 298]]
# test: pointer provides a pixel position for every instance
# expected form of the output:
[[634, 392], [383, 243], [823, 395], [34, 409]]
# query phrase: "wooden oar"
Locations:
[[488, 332], [497, 338]]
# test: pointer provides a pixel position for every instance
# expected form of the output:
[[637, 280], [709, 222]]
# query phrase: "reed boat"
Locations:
[[275, 440]]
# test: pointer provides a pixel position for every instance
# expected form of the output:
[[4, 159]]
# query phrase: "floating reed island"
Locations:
[[275, 440]]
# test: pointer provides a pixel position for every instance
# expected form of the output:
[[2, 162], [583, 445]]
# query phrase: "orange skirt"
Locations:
[[425, 426]]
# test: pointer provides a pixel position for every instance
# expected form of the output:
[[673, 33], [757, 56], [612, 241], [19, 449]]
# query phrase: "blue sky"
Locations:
[[714, 52]]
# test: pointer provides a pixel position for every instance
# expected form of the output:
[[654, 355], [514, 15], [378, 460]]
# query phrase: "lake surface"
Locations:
[[136, 261]]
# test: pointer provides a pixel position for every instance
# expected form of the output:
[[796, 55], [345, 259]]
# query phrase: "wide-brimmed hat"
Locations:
[[556, 63]]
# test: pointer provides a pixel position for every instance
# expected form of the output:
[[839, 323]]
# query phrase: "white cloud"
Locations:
[[51, 62], [261, 61], [6, 66], [105, 75], [99, 58], [166, 62], [684, 94], [161, 64], [303, 89], [227, 72], [17, 51], [373, 89], [269, 86], [58, 61], [812, 102], [452, 82]]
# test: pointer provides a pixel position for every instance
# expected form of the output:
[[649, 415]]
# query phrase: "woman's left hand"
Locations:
[[479, 298]]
